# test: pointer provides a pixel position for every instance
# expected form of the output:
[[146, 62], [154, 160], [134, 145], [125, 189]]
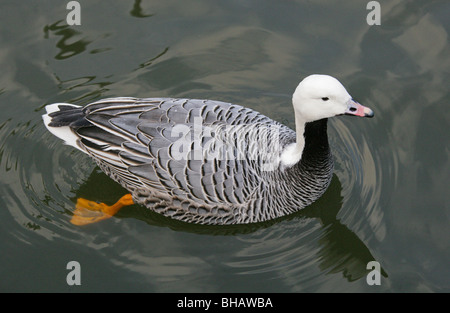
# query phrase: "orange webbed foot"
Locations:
[[88, 212]]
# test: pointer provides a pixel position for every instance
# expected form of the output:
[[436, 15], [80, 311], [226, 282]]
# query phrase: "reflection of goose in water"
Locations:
[[231, 165], [340, 249]]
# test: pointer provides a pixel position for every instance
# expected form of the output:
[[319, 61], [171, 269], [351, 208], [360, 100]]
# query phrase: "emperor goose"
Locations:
[[206, 161]]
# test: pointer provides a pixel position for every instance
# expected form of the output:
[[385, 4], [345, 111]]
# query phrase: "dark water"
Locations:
[[388, 200]]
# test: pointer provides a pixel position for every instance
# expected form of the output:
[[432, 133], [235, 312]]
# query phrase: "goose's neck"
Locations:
[[311, 145], [292, 153]]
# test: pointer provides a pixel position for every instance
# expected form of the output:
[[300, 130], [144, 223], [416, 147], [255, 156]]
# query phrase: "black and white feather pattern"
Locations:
[[198, 161]]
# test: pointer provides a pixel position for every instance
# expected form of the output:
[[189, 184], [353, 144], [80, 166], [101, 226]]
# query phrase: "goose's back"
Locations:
[[198, 161]]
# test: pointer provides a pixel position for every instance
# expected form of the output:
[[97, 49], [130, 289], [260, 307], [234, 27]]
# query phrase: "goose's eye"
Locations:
[[325, 98]]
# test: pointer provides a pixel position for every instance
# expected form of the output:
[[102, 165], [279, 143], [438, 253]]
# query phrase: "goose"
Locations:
[[206, 161]]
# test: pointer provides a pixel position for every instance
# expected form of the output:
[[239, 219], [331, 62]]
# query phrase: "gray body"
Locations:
[[201, 161]]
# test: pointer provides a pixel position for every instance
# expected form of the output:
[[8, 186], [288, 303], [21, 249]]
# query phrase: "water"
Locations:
[[388, 200]]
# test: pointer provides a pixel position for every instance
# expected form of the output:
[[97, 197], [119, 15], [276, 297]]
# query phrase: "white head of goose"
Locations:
[[205, 161], [319, 97]]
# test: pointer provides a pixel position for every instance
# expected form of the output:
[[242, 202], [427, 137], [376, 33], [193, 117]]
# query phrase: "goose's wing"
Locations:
[[201, 150]]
